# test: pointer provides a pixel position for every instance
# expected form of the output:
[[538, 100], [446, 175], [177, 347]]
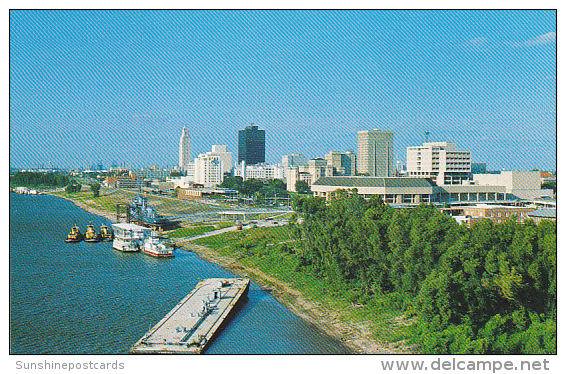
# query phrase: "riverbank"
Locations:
[[355, 335], [86, 207]]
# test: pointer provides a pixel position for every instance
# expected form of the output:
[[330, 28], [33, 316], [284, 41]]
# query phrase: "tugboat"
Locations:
[[154, 245], [91, 236], [106, 233], [74, 236]]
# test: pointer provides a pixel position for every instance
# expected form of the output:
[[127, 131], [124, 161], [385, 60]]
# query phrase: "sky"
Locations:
[[118, 86]]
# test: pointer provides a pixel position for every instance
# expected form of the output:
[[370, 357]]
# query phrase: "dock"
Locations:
[[193, 322]]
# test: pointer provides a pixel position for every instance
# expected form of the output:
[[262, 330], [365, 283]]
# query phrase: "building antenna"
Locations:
[[426, 134]]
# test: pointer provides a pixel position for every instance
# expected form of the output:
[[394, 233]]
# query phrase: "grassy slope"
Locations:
[[383, 319], [197, 229], [110, 197]]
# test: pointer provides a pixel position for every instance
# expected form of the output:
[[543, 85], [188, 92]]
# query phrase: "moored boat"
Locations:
[[91, 236], [129, 237], [106, 234], [74, 236], [154, 245]]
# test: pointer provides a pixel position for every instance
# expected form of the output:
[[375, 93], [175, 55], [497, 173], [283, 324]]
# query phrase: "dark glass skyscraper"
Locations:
[[251, 145]]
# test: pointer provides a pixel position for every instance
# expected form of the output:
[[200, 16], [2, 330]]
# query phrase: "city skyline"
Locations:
[[119, 86]]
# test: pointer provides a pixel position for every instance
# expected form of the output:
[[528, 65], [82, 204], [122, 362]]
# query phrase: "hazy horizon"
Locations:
[[118, 86]]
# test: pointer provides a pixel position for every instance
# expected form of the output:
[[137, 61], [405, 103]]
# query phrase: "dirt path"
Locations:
[[355, 336]]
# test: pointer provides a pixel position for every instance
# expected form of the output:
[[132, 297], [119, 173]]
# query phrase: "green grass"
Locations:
[[260, 248], [109, 197]]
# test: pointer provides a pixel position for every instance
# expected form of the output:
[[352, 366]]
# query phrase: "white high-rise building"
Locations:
[[210, 167], [440, 161], [184, 150]]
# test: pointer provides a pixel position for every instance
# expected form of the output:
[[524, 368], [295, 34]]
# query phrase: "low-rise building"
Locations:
[[166, 187], [295, 174], [199, 192], [121, 181], [392, 190], [259, 171], [546, 177], [495, 213], [542, 214], [523, 185], [399, 190]]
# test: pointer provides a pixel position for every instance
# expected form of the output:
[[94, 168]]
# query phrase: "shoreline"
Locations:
[[355, 337], [352, 335], [87, 208]]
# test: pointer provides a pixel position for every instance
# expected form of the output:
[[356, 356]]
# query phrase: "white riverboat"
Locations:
[[129, 237], [156, 246]]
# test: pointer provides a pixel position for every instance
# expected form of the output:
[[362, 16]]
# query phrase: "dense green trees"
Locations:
[[233, 183], [490, 288], [32, 179], [302, 187], [95, 188], [73, 187], [257, 188], [550, 185]]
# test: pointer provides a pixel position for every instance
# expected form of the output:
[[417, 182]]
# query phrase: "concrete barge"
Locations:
[[192, 324]]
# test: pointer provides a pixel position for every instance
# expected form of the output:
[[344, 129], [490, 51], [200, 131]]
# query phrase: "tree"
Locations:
[[302, 187], [251, 186], [73, 187], [95, 188], [33, 179], [232, 183], [550, 185]]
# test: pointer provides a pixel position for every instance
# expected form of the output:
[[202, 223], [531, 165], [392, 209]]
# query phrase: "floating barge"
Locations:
[[192, 324]]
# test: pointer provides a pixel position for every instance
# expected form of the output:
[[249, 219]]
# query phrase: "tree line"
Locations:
[[488, 288], [33, 179], [258, 188]]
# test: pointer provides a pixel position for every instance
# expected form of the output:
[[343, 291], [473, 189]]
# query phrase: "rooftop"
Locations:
[[489, 206], [353, 182], [543, 213], [128, 226]]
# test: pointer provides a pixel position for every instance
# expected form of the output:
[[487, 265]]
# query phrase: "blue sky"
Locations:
[[118, 86]]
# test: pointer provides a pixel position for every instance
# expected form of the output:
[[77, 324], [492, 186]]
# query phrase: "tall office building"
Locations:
[[342, 163], [375, 153], [251, 145], [184, 150], [296, 159]]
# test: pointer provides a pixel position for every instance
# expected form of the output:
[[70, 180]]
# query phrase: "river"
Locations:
[[86, 298]]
